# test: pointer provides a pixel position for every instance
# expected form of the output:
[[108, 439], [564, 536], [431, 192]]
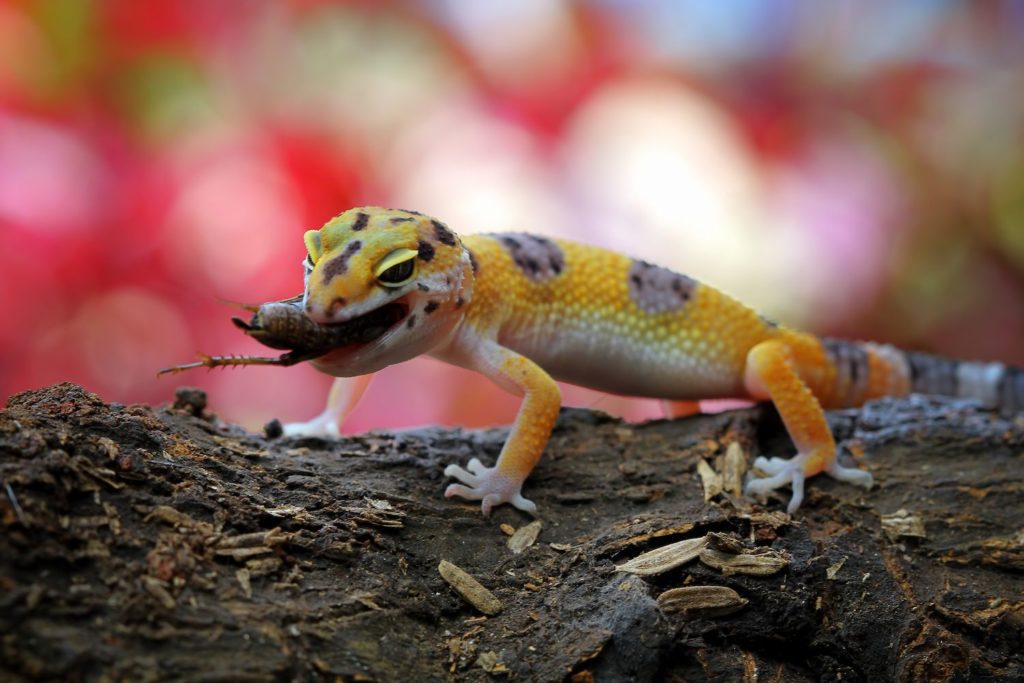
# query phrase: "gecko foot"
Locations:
[[320, 426], [488, 486], [781, 471]]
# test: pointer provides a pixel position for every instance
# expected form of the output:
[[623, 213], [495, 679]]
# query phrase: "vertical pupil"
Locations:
[[397, 272]]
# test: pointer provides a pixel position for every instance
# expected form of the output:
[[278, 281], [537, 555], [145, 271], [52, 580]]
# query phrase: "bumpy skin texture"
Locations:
[[525, 310]]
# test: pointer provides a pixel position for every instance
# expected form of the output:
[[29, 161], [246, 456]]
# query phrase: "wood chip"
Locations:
[[258, 538], [488, 661], [469, 588], [730, 544], [701, 601], [109, 447], [285, 511], [734, 466], [242, 553], [170, 516], [665, 558], [710, 479], [775, 519], [262, 566], [831, 572], [158, 590], [761, 564], [524, 537], [243, 578], [378, 512], [902, 524], [507, 529]]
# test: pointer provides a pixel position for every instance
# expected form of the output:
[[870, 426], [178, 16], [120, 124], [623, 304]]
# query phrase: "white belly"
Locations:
[[601, 359]]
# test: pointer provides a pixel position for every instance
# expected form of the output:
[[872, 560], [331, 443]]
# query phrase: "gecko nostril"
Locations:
[[336, 306]]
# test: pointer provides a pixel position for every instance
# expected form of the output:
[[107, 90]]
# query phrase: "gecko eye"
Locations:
[[396, 268], [313, 246]]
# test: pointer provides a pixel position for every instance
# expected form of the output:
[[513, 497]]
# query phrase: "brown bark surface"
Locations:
[[162, 544]]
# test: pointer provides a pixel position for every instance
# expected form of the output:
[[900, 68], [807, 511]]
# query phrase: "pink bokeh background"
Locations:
[[853, 168]]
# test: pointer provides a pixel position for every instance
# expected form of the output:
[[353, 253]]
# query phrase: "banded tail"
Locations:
[[865, 370]]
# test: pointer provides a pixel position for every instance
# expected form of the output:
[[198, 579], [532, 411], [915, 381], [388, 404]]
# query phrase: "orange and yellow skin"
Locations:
[[525, 311]]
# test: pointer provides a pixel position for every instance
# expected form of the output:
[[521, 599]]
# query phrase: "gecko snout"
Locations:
[[331, 313]]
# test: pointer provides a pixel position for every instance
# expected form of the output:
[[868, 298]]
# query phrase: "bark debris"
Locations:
[[153, 544]]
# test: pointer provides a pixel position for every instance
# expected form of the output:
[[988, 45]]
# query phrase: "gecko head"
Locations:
[[368, 258]]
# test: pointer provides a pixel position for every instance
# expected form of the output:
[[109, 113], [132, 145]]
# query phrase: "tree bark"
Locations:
[[163, 544]]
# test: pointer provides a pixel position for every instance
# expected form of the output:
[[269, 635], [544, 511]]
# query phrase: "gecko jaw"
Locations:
[[374, 324]]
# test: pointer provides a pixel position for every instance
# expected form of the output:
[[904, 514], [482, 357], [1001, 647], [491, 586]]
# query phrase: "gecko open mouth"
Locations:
[[284, 325], [371, 326]]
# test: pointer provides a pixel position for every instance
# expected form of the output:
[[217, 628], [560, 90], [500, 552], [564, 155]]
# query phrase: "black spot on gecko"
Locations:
[[932, 374], [431, 307], [443, 234], [426, 251], [414, 213], [361, 220], [851, 364], [657, 290], [422, 287], [411, 322], [473, 261], [459, 302], [339, 264], [402, 219], [680, 288], [538, 257]]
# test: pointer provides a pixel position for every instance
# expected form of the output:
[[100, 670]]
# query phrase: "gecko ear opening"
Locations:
[[313, 246]]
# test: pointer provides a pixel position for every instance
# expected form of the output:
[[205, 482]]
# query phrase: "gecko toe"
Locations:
[[798, 491], [461, 491], [850, 475], [524, 504], [462, 475]]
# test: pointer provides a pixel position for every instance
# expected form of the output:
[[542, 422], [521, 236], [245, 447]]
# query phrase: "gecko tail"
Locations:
[[994, 384], [866, 370]]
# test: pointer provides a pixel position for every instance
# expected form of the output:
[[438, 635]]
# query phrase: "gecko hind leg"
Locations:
[[773, 372]]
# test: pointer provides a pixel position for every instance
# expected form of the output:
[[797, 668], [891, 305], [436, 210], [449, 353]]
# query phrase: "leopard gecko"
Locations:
[[525, 310]]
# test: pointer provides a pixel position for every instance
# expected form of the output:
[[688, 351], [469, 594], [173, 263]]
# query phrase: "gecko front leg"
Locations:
[[341, 401], [530, 432]]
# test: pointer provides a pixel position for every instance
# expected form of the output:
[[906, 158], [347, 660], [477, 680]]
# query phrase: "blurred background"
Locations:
[[855, 168]]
